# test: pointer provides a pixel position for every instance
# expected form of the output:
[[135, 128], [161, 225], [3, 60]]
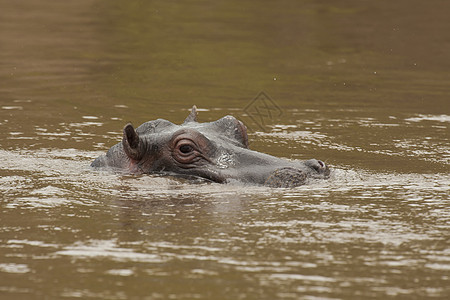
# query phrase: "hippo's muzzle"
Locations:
[[288, 177]]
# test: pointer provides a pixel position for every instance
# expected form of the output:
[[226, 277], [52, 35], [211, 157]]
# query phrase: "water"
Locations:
[[362, 85]]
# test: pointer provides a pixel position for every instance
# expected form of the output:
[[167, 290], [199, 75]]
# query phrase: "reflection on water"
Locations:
[[362, 86]]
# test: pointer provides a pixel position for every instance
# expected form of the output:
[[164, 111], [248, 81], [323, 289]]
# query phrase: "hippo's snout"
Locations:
[[319, 167], [288, 177]]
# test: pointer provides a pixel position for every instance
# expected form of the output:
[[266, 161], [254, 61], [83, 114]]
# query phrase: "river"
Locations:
[[362, 85]]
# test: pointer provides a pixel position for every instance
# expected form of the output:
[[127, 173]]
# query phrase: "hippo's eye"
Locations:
[[186, 148]]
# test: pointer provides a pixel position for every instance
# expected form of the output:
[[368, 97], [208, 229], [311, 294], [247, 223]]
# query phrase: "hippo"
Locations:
[[216, 151]]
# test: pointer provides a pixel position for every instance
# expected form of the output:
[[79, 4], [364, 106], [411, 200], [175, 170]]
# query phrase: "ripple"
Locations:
[[37, 202], [301, 277], [438, 118], [14, 268], [109, 249], [12, 107], [120, 272]]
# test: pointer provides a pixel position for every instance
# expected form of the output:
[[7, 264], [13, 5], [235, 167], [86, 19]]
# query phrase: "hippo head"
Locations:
[[216, 151]]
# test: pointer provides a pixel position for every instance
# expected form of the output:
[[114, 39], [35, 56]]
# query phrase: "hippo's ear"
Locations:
[[192, 116], [132, 143]]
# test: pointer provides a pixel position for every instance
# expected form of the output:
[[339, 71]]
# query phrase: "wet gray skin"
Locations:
[[216, 151]]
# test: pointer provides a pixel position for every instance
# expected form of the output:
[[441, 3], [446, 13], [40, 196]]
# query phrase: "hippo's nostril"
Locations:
[[321, 163], [319, 166]]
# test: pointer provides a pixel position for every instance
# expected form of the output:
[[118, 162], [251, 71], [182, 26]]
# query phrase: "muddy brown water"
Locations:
[[362, 85]]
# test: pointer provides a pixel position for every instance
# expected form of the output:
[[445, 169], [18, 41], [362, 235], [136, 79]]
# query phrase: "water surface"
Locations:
[[361, 85]]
